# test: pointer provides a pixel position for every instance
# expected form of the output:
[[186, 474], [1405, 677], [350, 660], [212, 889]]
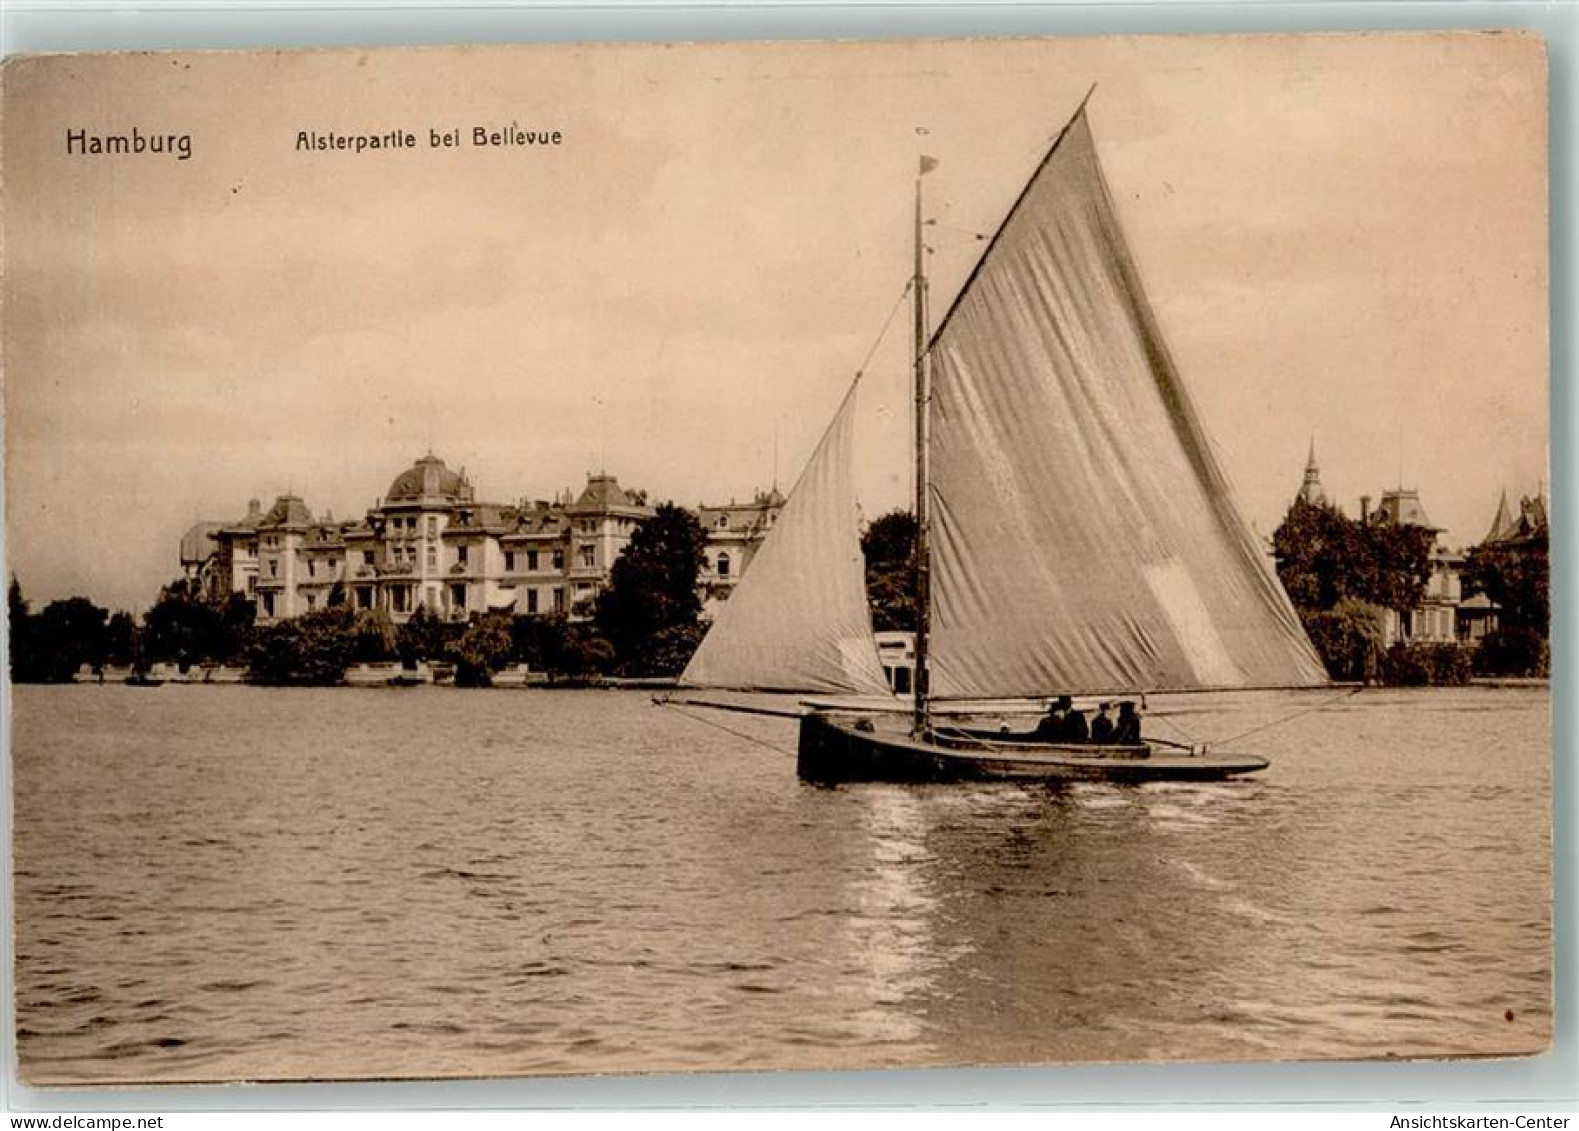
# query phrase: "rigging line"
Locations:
[[727, 730], [1155, 718], [1323, 705], [887, 325]]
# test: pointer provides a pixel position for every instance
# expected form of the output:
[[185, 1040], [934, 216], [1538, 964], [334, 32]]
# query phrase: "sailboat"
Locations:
[[1075, 535]]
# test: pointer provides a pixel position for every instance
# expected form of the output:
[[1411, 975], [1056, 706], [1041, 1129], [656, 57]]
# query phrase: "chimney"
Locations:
[[1365, 508]]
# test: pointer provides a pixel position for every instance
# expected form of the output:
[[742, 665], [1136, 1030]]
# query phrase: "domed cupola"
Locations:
[[428, 481]]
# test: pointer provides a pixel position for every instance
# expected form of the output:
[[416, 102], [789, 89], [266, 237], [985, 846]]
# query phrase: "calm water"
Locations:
[[224, 882]]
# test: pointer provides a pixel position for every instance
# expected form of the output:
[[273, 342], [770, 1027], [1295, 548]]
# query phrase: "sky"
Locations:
[[1344, 237]]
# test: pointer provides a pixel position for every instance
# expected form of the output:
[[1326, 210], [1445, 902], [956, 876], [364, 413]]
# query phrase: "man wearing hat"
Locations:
[[1102, 725], [1051, 726], [1075, 728], [1127, 731]]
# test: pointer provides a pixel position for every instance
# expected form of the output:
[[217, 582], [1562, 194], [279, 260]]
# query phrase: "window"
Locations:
[[367, 557], [531, 600], [433, 526], [559, 599], [587, 557], [723, 522], [460, 554], [312, 601], [311, 571], [268, 604], [252, 584], [402, 597], [723, 565], [458, 597], [364, 598], [531, 561], [274, 568], [559, 559], [433, 557], [509, 561]]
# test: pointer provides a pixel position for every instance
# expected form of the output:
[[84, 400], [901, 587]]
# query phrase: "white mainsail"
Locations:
[[798, 619], [1083, 536]]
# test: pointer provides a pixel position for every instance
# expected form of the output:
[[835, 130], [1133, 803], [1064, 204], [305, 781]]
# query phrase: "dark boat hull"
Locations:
[[853, 748]]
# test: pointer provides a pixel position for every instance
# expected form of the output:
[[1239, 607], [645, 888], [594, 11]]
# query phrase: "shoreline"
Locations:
[[400, 679]]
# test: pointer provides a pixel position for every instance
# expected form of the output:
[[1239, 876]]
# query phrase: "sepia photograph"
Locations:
[[664, 557]]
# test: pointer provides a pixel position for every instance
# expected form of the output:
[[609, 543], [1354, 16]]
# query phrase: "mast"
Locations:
[[922, 681]]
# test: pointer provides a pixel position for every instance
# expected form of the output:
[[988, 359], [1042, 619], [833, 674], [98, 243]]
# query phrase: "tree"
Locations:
[[20, 630], [423, 637], [185, 626], [1348, 637], [652, 587], [482, 649], [65, 636], [232, 635], [889, 546], [180, 627], [310, 651], [1317, 551], [1513, 651], [120, 640], [1324, 558], [373, 635], [1517, 576], [1397, 564], [586, 654], [667, 651], [549, 643]]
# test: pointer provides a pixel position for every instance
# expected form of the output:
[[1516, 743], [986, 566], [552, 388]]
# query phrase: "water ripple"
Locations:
[[460, 883]]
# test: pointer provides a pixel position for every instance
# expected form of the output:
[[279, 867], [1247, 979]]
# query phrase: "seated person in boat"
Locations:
[[1075, 727], [1102, 725], [1126, 732], [1051, 727]]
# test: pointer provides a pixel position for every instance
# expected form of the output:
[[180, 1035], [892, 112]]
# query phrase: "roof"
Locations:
[[249, 521], [1532, 513], [1501, 523], [538, 518], [1403, 508], [480, 518], [1531, 524], [754, 515], [428, 480], [1310, 489], [602, 494], [326, 534], [287, 510], [199, 543]]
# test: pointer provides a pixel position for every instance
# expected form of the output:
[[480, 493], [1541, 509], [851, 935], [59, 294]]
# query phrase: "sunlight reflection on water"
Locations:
[[230, 882]]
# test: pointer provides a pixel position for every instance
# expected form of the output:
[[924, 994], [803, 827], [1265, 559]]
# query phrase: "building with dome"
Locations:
[[431, 543]]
